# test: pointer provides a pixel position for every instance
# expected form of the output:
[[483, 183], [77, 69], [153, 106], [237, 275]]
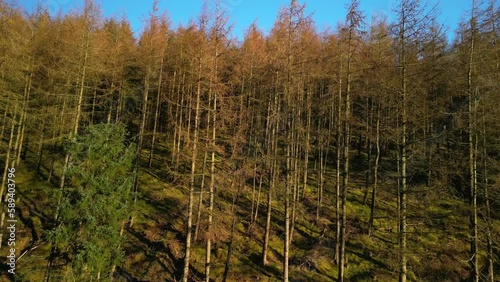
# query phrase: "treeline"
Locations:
[[384, 104]]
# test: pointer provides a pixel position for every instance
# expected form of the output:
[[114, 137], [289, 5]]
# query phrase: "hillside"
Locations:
[[367, 151], [438, 238]]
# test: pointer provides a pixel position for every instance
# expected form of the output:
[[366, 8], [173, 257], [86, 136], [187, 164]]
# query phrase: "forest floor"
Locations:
[[437, 236]]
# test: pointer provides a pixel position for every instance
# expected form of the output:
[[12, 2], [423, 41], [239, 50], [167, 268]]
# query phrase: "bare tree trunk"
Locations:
[[272, 177], [201, 196], [472, 157], [140, 140], [177, 101], [375, 174], [211, 195], [254, 186], [489, 241], [272, 122], [345, 176], [179, 131], [403, 147], [157, 110], [320, 181], [203, 169], [369, 149], [189, 228], [189, 123], [295, 196], [489, 227], [403, 191], [111, 102], [339, 158], [354, 21], [320, 171], [308, 138], [24, 113], [286, 241]]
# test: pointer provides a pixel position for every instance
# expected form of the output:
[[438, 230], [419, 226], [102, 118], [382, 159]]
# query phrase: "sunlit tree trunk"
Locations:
[[307, 144], [354, 19], [140, 139], [211, 193], [273, 110], [25, 108], [375, 174], [339, 145], [189, 227], [157, 112], [472, 144]]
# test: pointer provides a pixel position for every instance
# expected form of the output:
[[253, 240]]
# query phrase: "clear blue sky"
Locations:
[[243, 12]]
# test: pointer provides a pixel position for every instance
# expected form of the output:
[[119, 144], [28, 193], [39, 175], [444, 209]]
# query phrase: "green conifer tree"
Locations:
[[95, 200]]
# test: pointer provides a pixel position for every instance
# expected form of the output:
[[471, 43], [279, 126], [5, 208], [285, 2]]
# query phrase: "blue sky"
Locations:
[[243, 12]]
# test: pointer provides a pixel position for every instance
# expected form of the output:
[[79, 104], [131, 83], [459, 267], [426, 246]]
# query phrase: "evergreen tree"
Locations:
[[95, 200]]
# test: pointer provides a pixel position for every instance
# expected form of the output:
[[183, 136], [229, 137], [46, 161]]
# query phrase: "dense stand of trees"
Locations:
[[283, 126]]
